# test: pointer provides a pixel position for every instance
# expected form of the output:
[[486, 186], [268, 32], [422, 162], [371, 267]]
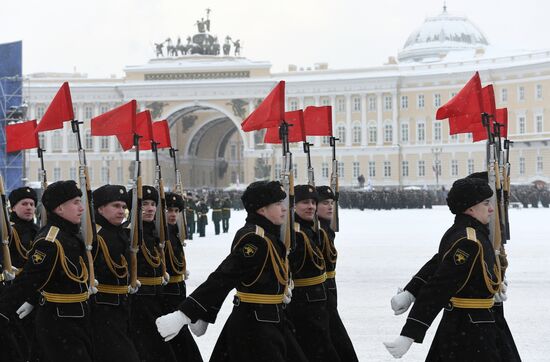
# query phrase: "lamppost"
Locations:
[[436, 151]]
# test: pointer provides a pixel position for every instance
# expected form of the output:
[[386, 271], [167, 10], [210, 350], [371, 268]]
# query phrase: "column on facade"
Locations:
[[395, 114], [348, 120], [364, 140], [251, 143], [379, 115]]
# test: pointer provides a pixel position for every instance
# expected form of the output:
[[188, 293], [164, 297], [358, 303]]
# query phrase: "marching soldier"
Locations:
[[467, 277], [56, 268], [146, 304], [257, 268], [175, 291], [190, 215], [216, 214], [202, 217], [226, 214], [110, 307], [308, 310], [338, 332]]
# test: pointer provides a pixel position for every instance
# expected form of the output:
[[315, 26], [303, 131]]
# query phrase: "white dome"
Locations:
[[440, 35]]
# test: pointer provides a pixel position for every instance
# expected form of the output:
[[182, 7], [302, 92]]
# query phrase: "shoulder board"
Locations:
[[471, 234], [12, 223], [260, 231], [297, 227], [97, 227], [52, 233]]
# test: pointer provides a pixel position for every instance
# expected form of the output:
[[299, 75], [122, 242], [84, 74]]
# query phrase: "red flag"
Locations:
[[144, 129], [60, 110], [464, 108], [121, 120], [502, 118], [318, 121], [161, 135], [296, 131], [21, 136], [269, 113], [473, 122]]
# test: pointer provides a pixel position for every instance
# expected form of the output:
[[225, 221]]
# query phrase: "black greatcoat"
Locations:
[[174, 293], [253, 332], [308, 310], [338, 333], [146, 304], [111, 312], [63, 329], [466, 269]]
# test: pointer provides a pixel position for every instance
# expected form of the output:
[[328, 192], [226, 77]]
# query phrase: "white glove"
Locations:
[[169, 325], [399, 346], [92, 289], [290, 284], [287, 297], [199, 327], [10, 275], [165, 279], [24, 310], [133, 290], [401, 301], [186, 275], [501, 296]]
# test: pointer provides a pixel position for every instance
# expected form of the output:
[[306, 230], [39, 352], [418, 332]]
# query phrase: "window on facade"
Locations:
[[356, 104], [470, 166], [356, 169], [324, 170], [88, 140], [420, 101], [42, 140], [437, 131], [404, 132], [387, 169], [454, 168], [104, 143], [356, 134], [341, 132], [71, 139], [309, 102], [277, 171], [57, 173], [57, 141], [469, 137], [504, 95], [341, 169], [405, 168], [387, 103], [293, 105], [372, 169], [388, 133], [40, 112], [521, 93], [421, 168], [453, 94], [538, 91], [88, 112], [521, 124], [372, 134], [72, 173], [404, 102], [325, 140], [103, 109], [420, 132], [539, 164], [539, 123], [104, 175], [341, 105], [522, 166], [372, 104], [325, 102], [437, 100], [454, 138]]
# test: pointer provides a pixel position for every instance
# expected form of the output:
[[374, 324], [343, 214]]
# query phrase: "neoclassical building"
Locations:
[[384, 116]]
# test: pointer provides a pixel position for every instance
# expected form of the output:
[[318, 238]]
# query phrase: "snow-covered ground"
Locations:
[[379, 251]]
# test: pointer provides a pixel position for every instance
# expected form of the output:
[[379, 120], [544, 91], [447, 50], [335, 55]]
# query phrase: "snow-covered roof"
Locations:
[[440, 35]]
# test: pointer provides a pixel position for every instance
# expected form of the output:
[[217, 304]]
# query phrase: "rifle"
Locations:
[[160, 217], [311, 182], [87, 220], [136, 222], [41, 210], [287, 179], [492, 169], [5, 231], [178, 189], [506, 188], [334, 185]]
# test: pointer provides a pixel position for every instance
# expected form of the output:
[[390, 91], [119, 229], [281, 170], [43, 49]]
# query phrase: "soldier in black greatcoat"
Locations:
[[309, 310], [146, 303], [226, 214], [465, 282], [216, 214], [256, 329], [190, 215], [202, 217], [110, 307], [57, 269], [175, 291], [338, 333]]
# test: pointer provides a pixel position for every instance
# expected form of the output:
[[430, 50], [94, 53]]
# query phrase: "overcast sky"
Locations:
[[101, 37]]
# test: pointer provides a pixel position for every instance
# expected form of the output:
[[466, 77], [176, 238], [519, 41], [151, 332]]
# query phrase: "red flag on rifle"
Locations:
[[318, 121], [121, 120], [269, 113], [21, 136], [502, 118], [464, 108], [161, 135], [295, 120], [60, 110], [144, 129]]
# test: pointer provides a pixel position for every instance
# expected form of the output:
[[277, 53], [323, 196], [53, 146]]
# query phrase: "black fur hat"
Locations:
[[325, 193], [58, 193], [467, 192], [22, 193], [110, 193], [481, 175], [262, 193], [150, 193], [174, 200], [304, 192]]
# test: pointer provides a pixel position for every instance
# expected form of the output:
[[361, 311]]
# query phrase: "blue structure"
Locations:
[[11, 100]]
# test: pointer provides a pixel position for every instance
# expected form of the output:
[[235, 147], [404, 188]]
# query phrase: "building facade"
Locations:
[[384, 116]]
